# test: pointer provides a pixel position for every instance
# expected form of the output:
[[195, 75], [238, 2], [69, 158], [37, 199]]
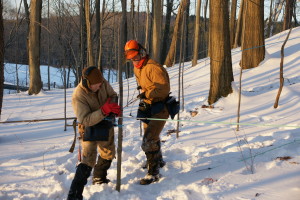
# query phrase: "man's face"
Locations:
[[95, 87], [136, 59]]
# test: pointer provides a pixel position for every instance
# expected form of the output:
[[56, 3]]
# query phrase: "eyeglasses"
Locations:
[[131, 53], [136, 58]]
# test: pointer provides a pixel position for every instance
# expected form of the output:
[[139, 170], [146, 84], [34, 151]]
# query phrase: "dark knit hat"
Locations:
[[93, 75]]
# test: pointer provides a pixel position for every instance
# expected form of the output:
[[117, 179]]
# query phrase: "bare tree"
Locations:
[[186, 45], [269, 22], [156, 36], [148, 26], [90, 58], [83, 40], [99, 32], [170, 60], [1, 56], [35, 84], [197, 34], [221, 74], [26, 8], [166, 34], [123, 37], [232, 21], [48, 20], [133, 28], [289, 7], [205, 13], [239, 26], [253, 42]]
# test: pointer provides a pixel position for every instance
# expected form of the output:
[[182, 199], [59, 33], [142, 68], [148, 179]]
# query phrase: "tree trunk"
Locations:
[[156, 36], [90, 58], [132, 20], [197, 34], [123, 38], [270, 20], [165, 40], [232, 21], [239, 26], [289, 7], [101, 23], [137, 30], [1, 56], [221, 74], [49, 45], [82, 42], [206, 31], [295, 16], [148, 24], [170, 60], [97, 33], [205, 13], [253, 42], [187, 21], [35, 84]]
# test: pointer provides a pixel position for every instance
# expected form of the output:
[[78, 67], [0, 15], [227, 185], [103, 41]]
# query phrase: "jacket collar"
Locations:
[[142, 62]]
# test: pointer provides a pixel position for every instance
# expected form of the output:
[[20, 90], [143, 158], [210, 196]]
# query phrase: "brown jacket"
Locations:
[[154, 80], [86, 104]]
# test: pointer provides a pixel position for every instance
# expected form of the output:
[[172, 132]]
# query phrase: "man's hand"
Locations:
[[139, 87], [108, 108], [141, 96]]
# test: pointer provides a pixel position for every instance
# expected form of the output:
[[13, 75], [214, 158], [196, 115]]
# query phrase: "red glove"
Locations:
[[116, 109], [108, 108]]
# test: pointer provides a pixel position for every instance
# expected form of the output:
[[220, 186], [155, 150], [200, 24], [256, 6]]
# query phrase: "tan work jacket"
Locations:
[[154, 80], [86, 104]]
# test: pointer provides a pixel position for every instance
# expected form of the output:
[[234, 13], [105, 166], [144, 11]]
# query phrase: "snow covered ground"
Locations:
[[210, 159]]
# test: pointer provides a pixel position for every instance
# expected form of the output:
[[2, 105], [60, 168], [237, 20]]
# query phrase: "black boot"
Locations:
[[162, 163], [82, 173], [100, 171], [153, 168]]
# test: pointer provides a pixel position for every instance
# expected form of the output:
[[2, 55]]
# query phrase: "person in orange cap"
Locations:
[[154, 85]]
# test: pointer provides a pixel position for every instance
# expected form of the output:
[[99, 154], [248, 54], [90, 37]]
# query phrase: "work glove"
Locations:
[[108, 108], [116, 109], [141, 96]]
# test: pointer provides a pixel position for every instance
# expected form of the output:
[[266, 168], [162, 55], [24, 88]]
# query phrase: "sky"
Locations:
[[210, 160]]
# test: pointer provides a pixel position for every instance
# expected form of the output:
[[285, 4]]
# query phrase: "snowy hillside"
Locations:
[[210, 160]]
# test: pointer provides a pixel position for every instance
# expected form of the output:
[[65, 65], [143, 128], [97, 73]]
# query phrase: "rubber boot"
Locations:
[[153, 168], [82, 173], [100, 171]]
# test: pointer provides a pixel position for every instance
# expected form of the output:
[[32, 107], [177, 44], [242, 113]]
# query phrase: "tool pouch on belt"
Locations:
[[146, 110], [98, 132], [172, 106]]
